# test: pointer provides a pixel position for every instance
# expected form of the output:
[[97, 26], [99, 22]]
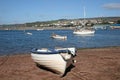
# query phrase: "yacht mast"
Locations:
[[84, 14]]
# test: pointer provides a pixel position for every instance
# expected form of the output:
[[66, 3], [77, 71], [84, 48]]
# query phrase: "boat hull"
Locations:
[[83, 32], [59, 37], [54, 62]]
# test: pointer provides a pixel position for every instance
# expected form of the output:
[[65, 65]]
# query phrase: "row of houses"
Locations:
[[63, 23], [75, 22]]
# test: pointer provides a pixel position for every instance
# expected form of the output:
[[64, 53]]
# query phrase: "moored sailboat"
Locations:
[[83, 30]]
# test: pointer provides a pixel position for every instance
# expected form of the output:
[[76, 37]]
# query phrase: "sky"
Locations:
[[23, 11]]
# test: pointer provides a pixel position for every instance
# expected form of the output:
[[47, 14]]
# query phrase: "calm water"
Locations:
[[14, 42]]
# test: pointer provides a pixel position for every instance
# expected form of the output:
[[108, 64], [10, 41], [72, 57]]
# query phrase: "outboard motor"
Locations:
[[73, 51]]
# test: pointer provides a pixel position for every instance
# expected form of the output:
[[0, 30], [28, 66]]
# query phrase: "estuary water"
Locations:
[[18, 42]]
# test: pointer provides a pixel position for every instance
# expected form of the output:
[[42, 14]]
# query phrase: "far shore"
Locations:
[[35, 28], [92, 64]]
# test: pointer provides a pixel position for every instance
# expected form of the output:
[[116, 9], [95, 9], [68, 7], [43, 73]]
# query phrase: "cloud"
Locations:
[[112, 6]]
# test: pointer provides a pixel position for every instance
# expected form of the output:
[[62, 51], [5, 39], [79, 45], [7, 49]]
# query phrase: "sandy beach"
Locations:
[[92, 64]]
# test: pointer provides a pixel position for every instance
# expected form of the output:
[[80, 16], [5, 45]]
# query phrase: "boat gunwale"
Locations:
[[52, 51]]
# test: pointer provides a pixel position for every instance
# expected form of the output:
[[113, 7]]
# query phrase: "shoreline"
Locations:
[[27, 53], [35, 28], [92, 64], [100, 47]]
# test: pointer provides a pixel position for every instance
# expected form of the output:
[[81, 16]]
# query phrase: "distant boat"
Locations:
[[29, 33], [115, 26], [83, 30], [55, 36], [26, 32], [40, 29], [55, 60]]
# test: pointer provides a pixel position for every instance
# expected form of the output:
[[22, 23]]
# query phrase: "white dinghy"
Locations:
[[56, 60], [56, 36]]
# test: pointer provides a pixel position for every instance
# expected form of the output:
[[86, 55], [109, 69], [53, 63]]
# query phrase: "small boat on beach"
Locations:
[[55, 60], [55, 36]]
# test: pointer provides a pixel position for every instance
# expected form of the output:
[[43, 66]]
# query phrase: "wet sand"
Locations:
[[92, 64]]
